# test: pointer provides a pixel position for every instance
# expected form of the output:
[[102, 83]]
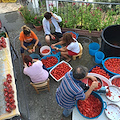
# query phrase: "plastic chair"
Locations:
[[80, 54], [41, 86]]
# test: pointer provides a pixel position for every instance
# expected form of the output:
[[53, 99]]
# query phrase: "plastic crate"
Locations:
[[101, 68], [55, 67], [58, 57], [103, 63], [35, 56], [73, 33], [52, 50]]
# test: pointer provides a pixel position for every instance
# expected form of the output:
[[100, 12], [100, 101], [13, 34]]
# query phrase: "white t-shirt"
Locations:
[[74, 46], [36, 72]]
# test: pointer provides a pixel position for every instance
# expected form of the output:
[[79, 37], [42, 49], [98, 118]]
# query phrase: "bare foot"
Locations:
[[68, 60]]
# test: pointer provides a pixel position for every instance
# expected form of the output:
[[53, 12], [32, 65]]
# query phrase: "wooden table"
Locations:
[[6, 67]]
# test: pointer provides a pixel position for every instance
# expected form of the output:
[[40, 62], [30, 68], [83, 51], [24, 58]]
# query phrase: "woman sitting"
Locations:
[[34, 69], [28, 37], [71, 48]]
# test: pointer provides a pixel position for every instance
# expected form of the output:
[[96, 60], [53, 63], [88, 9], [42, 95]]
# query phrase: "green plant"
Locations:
[[86, 16], [37, 20], [30, 17], [26, 13]]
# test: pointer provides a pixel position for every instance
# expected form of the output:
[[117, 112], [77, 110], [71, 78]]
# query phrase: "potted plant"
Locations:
[[37, 22]]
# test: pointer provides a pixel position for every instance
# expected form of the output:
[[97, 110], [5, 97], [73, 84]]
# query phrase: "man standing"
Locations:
[[51, 20], [71, 89]]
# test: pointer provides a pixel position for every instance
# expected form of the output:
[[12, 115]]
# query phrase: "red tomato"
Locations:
[[7, 99], [8, 109], [10, 90], [12, 106], [100, 71], [8, 75], [113, 65], [11, 100], [5, 83], [6, 94], [5, 90], [9, 86], [10, 95], [90, 107], [60, 70], [45, 51], [7, 104], [116, 82], [50, 61]]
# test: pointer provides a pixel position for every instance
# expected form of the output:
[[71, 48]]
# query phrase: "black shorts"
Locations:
[[56, 34]]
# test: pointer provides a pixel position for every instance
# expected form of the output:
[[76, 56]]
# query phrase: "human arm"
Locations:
[[58, 43], [22, 45], [91, 77], [36, 38], [58, 18], [92, 87]]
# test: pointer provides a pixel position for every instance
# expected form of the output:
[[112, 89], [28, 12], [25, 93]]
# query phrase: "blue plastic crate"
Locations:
[[103, 62], [104, 105], [73, 33], [57, 56], [35, 56], [52, 50], [101, 68]]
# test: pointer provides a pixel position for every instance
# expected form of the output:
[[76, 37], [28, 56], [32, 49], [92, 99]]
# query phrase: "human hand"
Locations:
[[33, 50], [93, 78], [53, 46], [53, 37], [51, 13], [30, 50], [94, 85]]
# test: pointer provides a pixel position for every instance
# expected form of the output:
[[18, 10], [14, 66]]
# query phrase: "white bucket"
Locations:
[[43, 48]]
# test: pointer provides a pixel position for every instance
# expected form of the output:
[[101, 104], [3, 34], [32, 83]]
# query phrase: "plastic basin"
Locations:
[[104, 105]]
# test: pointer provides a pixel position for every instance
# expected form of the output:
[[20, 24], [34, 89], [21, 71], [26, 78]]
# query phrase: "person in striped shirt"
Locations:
[[71, 89]]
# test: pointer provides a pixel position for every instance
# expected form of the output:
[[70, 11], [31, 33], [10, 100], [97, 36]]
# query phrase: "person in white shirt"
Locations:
[[48, 20], [71, 48]]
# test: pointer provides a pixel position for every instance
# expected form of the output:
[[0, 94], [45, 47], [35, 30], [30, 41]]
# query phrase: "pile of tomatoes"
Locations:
[[2, 43], [49, 61], [73, 35], [116, 82], [59, 71], [90, 107], [90, 82], [45, 51], [113, 65], [100, 71], [9, 94]]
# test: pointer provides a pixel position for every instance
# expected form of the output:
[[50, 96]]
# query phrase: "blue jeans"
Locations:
[[67, 112], [28, 44]]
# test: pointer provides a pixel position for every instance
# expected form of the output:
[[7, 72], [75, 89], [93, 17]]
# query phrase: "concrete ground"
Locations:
[[35, 106]]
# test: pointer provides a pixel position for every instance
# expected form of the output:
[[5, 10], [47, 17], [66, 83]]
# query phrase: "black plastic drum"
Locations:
[[110, 44]]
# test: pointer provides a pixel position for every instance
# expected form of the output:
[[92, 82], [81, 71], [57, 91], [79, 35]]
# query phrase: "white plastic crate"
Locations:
[[56, 66]]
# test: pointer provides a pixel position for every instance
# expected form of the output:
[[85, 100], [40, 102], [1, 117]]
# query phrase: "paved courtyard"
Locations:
[[35, 106]]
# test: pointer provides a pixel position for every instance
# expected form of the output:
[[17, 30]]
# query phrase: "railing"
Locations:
[[85, 15]]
